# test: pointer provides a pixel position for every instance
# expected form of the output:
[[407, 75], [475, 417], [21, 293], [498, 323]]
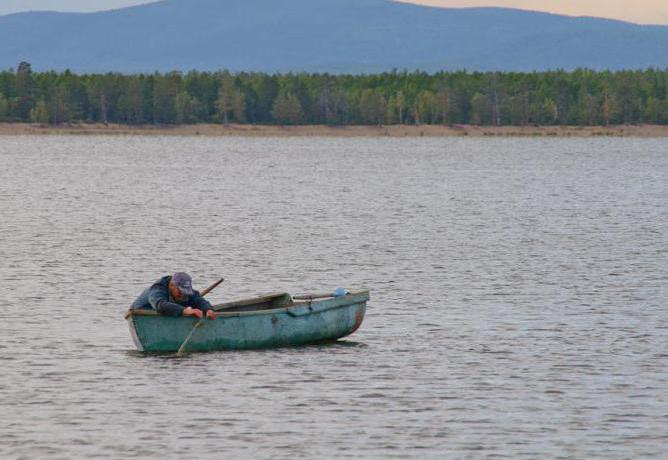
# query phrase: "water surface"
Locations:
[[518, 296]]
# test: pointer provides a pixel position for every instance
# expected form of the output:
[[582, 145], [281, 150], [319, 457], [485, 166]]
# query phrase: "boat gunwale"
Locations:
[[351, 299]]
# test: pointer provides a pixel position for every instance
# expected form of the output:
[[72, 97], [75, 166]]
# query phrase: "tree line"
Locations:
[[581, 97]]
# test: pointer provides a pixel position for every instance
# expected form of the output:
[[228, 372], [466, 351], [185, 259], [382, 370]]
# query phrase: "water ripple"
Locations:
[[518, 296]]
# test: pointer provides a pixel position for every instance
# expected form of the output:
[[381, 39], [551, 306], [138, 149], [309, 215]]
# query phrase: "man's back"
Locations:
[[159, 297]]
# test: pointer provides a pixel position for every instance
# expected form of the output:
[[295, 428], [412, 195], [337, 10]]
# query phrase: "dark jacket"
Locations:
[[157, 298]]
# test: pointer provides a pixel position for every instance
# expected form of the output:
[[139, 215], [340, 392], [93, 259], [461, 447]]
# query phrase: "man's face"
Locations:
[[176, 293]]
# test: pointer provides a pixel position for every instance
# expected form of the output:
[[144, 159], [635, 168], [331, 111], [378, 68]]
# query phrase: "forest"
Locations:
[[579, 98]]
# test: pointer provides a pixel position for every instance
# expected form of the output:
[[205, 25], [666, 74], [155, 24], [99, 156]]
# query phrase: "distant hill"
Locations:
[[323, 35]]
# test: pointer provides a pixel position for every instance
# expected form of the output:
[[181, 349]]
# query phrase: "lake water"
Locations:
[[519, 296]]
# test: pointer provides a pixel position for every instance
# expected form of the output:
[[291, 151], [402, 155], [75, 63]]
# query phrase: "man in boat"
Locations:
[[174, 296]]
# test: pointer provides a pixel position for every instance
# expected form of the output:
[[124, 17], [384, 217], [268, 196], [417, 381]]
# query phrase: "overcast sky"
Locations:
[[641, 11], [14, 6]]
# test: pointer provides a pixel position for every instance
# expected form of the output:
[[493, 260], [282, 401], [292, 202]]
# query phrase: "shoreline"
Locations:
[[214, 130]]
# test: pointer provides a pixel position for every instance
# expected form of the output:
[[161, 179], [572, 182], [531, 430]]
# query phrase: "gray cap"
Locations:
[[184, 282]]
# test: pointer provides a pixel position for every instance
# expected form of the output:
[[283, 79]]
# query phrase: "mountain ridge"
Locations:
[[561, 15], [338, 36]]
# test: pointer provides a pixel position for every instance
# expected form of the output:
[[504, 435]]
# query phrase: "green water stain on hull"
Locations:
[[299, 324]]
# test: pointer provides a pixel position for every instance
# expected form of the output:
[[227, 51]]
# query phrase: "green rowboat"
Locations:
[[269, 321]]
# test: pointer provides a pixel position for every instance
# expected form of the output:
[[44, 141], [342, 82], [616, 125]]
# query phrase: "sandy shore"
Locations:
[[331, 131]]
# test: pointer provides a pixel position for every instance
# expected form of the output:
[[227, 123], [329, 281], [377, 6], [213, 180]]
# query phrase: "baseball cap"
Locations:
[[184, 282]]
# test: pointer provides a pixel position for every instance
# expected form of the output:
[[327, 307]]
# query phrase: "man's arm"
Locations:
[[158, 297], [199, 302]]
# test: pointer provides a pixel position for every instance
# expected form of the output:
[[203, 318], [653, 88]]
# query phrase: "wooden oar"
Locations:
[[212, 287], [312, 296], [182, 348], [199, 323]]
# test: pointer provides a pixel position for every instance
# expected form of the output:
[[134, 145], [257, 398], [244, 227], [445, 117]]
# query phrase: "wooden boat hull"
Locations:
[[295, 324]]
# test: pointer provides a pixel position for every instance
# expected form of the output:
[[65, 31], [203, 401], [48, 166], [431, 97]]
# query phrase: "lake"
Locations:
[[518, 310]]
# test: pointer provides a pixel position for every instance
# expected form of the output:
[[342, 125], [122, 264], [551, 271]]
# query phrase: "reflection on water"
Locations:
[[518, 296]]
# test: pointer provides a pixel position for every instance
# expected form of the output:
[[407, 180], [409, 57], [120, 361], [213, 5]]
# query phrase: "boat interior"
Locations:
[[267, 302]]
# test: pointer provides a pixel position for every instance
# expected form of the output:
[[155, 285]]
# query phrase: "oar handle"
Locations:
[[212, 287]]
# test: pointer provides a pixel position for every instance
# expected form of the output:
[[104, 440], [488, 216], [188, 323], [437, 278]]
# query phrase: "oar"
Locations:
[[182, 348], [338, 292], [312, 296], [199, 323], [212, 287]]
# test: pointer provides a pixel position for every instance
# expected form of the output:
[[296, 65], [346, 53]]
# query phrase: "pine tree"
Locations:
[[59, 107], [481, 109], [133, 109], [372, 107], [24, 90], [287, 109], [609, 107], [443, 104], [164, 98], [4, 107], [184, 105], [239, 107], [426, 108], [40, 113], [231, 104]]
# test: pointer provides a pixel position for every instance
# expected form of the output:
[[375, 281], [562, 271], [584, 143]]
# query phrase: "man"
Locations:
[[174, 296]]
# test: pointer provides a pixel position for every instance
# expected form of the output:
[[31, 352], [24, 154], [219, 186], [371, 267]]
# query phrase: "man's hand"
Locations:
[[190, 311], [211, 314]]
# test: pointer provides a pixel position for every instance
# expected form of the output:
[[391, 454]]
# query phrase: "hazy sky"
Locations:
[[641, 11], [14, 6]]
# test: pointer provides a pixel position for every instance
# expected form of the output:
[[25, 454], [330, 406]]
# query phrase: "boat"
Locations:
[[270, 321]]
